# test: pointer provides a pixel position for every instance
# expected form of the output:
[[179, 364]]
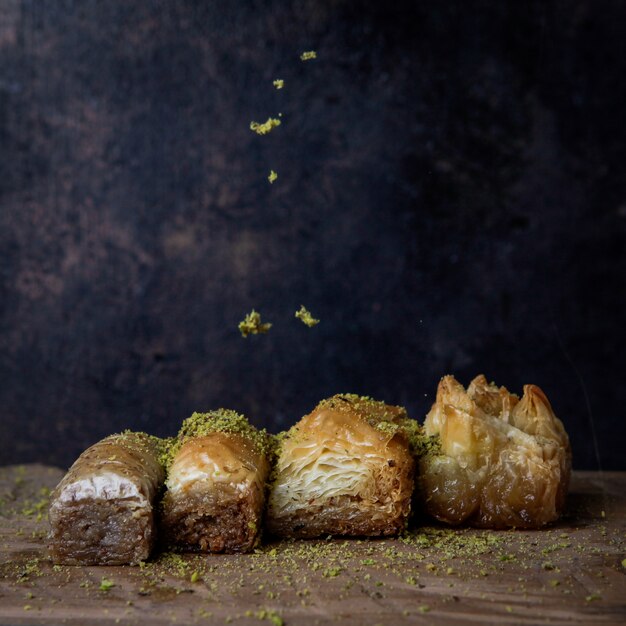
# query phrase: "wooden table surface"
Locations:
[[571, 573]]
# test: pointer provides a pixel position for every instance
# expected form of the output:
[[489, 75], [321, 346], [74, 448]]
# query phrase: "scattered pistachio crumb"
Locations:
[[305, 316], [307, 56], [195, 577], [270, 616], [331, 572], [27, 607], [106, 584], [593, 597], [554, 582], [509, 609], [424, 608]]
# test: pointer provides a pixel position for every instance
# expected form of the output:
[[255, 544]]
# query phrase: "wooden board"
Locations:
[[572, 573]]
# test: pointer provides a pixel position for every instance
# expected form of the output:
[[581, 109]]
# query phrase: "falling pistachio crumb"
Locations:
[[252, 325], [265, 127], [278, 83], [272, 177], [307, 56], [305, 316]]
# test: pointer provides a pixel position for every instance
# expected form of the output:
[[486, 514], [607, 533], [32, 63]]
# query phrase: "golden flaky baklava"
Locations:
[[216, 484], [502, 462], [344, 469], [102, 512]]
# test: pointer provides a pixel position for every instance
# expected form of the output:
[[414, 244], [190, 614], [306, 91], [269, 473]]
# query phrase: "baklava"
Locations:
[[344, 469], [502, 462], [216, 484], [102, 512]]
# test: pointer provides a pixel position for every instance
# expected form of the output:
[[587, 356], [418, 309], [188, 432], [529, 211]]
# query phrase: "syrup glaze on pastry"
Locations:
[[502, 462]]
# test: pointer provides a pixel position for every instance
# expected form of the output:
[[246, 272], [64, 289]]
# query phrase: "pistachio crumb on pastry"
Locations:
[[216, 484], [502, 462], [344, 469]]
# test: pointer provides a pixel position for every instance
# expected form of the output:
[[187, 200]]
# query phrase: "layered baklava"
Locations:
[[216, 484], [102, 512], [344, 469]]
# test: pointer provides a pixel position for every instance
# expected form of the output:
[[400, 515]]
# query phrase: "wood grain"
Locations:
[[571, 573]]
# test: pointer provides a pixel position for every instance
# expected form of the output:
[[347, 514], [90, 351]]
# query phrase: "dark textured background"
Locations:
[[452, 198]]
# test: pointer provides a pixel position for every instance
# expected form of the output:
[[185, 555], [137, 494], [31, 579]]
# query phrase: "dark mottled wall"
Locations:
[[451, 198]]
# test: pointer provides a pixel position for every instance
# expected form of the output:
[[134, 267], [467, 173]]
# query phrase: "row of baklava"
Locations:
[[483, 457]]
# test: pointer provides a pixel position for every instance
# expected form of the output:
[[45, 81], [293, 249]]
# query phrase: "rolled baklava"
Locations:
[[102, 512], [216, 484], [344, 469], [502, 461]]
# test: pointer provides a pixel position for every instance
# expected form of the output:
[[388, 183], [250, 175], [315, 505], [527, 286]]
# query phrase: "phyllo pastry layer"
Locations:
[[216, 484], [102, 512], [503, 462], [344, 469]]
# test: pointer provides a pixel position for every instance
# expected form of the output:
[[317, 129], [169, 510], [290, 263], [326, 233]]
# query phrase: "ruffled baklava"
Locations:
[[102, 512], [216, 484], [502, 461], [344, 469]]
